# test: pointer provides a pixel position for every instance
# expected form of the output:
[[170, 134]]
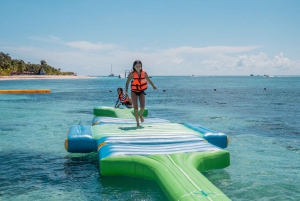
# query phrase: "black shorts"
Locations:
[[127, 103], [139, 93]]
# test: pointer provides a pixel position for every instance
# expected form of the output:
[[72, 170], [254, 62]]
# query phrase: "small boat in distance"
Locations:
[[111, 73], [127, 72]]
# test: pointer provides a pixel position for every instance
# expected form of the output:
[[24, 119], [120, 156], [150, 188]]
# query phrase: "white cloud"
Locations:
[[177, 61], [85, 45], [281, 62], [88, 58], [207, 50], [262, 63], [54, 38], [254, 61], [211, 65]]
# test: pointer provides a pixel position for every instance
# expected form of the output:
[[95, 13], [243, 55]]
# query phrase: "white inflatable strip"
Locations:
[[112, 120], [146, 150], [149, 139], [184, 173]]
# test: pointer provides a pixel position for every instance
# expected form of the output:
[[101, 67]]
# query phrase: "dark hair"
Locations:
[[120, 89], [137, 62]]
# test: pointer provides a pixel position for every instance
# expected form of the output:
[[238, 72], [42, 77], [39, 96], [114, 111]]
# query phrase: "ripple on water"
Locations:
[[30, 176]]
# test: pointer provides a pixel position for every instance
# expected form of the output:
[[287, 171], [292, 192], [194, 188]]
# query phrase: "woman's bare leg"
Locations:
[[142, 105], [136, 108]]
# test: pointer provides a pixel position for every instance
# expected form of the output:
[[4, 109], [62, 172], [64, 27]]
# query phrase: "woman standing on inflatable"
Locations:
[[139, 79]]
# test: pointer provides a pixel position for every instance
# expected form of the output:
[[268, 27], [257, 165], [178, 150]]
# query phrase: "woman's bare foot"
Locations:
[[142, 118]]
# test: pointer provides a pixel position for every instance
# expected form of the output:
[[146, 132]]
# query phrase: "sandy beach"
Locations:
[[21, 77]]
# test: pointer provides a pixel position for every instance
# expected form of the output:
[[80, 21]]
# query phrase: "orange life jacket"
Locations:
[[139, 83], [125, 100]]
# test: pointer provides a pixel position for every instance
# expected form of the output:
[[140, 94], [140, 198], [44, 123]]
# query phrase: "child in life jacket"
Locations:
[[123, 99], [139, 83]]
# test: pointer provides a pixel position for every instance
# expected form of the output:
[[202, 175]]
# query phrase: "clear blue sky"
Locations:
[[171, 37]]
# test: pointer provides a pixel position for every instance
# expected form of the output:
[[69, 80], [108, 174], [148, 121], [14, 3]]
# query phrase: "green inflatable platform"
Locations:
[[172, 154]]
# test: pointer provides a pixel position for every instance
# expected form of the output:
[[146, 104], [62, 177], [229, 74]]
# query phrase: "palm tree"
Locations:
[[5, 61], [21, 66], [43, 63], [14, 65], [42, 69]]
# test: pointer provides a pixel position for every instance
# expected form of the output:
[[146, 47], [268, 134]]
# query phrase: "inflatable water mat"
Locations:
[[172, 154]]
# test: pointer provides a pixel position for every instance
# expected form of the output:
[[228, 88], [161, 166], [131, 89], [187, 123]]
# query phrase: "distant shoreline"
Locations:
[[30, 77]]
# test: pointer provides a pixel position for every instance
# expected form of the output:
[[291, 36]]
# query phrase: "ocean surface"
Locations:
[[260, 114]]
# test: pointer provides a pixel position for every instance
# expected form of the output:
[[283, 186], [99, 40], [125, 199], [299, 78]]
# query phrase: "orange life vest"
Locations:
[[125, 100], [139, 83]]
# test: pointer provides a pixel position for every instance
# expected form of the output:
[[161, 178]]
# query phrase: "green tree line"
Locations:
[[9, 66]]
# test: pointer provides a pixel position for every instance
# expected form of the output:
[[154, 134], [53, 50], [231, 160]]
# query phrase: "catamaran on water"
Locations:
[[111, 73]]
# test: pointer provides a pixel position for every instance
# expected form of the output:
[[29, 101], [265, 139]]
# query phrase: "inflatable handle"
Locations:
[[80, 140], [218, 139]]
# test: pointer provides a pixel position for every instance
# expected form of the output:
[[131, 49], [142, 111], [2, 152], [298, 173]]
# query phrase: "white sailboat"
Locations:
[[111, 73]]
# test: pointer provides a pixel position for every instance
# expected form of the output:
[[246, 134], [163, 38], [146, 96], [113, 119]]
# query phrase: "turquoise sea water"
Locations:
[[261, 116]]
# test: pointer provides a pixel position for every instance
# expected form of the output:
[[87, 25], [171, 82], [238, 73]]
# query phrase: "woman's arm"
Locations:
[[117, 103], [127, 83], [148, 80]]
